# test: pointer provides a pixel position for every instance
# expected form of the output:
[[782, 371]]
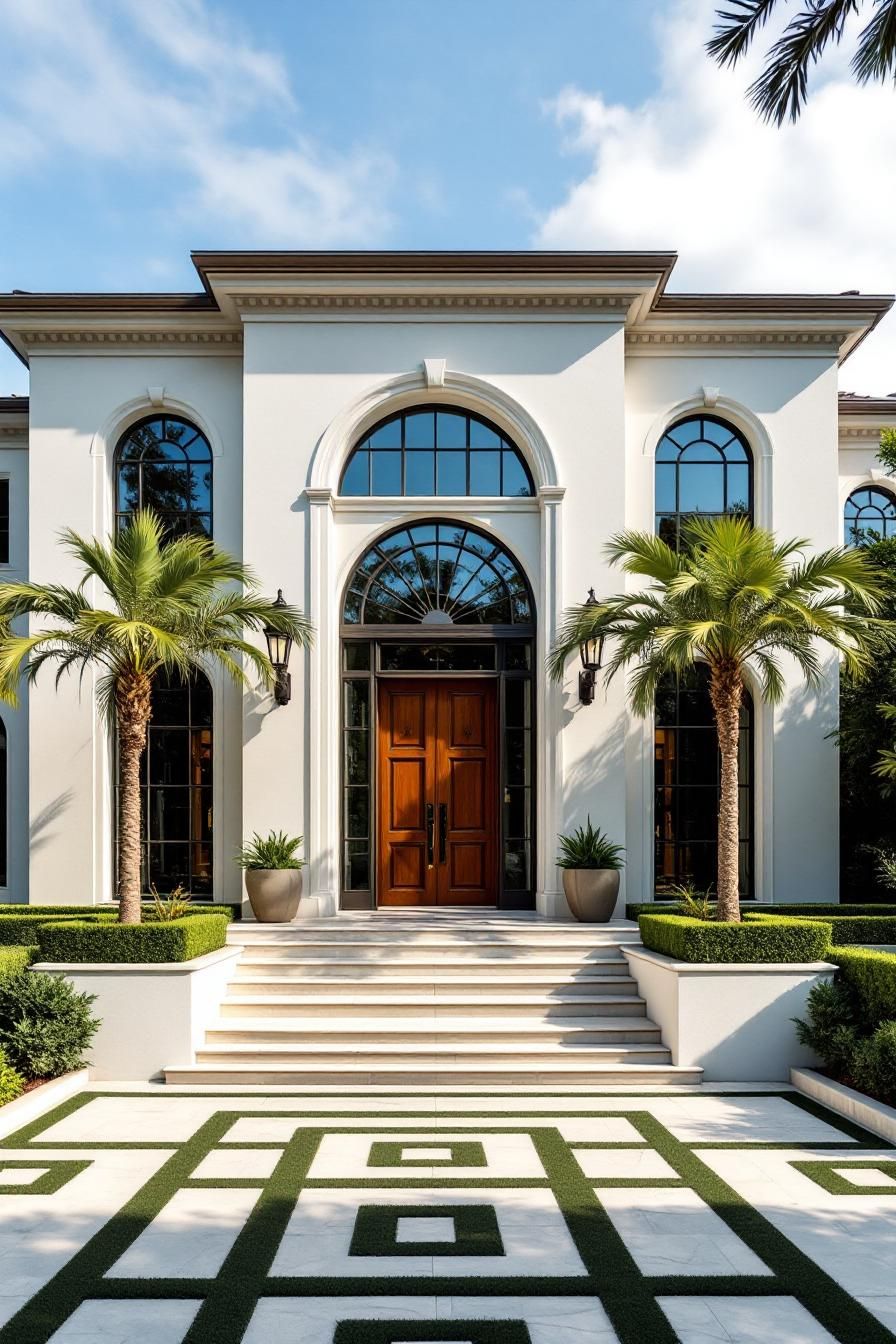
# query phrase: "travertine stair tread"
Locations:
[[401, 1049], [485, 1000], [412, 1073], [369, 1025]]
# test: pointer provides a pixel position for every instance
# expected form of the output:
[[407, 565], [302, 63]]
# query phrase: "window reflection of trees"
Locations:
[[165, 464], [703, 467]]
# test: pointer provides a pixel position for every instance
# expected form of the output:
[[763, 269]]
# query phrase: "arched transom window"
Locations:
[[869, 515], [438, 574], [164, 463], [436, 450], [703, 466]]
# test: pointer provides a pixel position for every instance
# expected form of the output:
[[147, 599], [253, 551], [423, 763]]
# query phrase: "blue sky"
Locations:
[[134, 131]]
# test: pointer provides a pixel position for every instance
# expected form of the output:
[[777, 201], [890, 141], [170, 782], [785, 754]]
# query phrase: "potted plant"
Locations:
[[273, 876], [590, 864]]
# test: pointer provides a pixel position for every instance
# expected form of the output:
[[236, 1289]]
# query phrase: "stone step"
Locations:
[[268, 981], [298, 936], [420, 1029], [243, 1001], [487, 954], [531, 1073], [430, 1054]]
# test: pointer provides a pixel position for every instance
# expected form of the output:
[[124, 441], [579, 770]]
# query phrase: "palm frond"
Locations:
[[780, 90], [875, 56], [737, 29]]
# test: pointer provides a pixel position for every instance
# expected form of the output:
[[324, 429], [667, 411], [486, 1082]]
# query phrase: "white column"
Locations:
[[549, 898], [323, 708]]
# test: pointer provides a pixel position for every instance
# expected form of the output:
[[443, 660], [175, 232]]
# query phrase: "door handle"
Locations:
[[430, 828], [443, 830]]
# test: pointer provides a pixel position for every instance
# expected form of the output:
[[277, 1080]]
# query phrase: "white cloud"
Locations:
[[171, 87], [747, 206]]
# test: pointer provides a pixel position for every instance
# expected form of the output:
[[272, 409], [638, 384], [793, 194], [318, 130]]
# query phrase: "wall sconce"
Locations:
[[591, 651], [279, 649]]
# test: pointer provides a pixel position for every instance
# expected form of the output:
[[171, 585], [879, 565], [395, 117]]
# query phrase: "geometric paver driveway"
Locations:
[[497, 1219]]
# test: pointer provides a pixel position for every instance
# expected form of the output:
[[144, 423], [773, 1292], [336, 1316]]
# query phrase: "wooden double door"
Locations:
[[437, 804]]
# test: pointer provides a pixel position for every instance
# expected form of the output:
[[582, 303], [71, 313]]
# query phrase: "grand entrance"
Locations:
[[437, 797], [438, 723]]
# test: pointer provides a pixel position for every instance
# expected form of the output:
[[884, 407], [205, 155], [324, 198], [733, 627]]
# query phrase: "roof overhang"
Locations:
[[13, 422], [861, 419]]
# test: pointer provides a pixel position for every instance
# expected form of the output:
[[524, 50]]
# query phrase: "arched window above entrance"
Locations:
[[437, 574], [436, 450]]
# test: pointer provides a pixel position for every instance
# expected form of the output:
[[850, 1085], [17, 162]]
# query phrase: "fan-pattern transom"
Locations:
[[869, 515], [437, 574]]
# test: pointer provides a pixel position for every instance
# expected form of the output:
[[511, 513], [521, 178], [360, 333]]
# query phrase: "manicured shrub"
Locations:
[[847, 929], [20, 930], [873, 1064], [15, 959], [831, 1030], [796, 910], [759, 938], [45, 1024], [100, 941], [871, 977], [12, 1084]]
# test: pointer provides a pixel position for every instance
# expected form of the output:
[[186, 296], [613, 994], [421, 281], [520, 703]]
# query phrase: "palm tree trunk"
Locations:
[[726, 690], [133, 709]]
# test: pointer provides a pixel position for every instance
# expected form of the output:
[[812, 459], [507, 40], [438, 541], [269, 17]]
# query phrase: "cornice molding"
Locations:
[[616, 303], [46, 339], [860, 436], [644, 341]]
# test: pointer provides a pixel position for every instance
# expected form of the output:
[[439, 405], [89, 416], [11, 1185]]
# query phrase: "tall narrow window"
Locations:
[[436, 450], [4, 807], [4, 520], [869, 515], [688, 785], [176, 787], [703, 468], [164, 463]]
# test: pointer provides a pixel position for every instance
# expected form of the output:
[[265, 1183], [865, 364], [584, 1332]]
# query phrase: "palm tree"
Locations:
[[780, 91], [171, 606], [734, 599]]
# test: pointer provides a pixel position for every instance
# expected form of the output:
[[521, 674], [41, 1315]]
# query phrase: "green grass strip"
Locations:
[[832, 1306], [75, 1282], [231, 1300], [825, 1175], [633, 1312], [22, 1136], [58, 1175]]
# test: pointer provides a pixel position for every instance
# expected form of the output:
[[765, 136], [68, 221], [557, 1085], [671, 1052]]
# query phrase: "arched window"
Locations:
[[869, 515], [4, 808], [164, 463], [436, 450], [439, 574], [688, 782], [176, 787], [703, 466]]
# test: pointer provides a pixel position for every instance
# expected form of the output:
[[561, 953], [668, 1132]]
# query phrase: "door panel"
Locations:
[[437, 793]]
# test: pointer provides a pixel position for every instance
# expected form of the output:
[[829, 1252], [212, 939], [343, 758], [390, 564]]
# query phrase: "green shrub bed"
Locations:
[[19, 924], [15, 959], [851, 1024], [798, 910], [12, 1084], [45, 1024], [759, 938], [100, 940]]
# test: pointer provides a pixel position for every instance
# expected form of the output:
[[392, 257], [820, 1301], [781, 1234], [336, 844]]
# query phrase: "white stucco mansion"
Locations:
[[427, 453]]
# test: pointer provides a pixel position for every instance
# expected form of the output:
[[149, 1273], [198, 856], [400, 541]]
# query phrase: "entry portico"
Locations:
[[427, 452]]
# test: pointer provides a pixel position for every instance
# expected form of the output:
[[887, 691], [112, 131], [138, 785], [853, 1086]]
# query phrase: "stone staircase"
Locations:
[[420, 999]]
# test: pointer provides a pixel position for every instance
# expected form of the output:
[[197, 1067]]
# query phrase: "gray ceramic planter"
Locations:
[[591, 893], [274, 893]]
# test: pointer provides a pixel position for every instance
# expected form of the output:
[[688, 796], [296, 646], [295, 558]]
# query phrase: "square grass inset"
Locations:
[[475, 1226], [391, 1332], [61, 1171], [464, 1153], [825, 1175]]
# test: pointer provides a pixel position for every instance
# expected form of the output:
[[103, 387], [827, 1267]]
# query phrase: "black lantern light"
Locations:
[[279, 649], [591, 651]]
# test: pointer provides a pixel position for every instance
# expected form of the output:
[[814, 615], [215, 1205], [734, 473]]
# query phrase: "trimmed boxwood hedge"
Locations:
[[15, 959], [759, 938], [100, 940], [797, 909], [871, 976], [19, 924]]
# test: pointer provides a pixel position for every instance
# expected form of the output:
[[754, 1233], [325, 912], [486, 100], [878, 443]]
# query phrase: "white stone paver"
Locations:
[[425, 1229], [865, 1176], [533, 1231], [312, 1320], [742, 1320], [671, 1231], [191, 1236], [348, 1156], [742, 1120], [226, 1164], [134, 1322], [620, 1163], [21, 1175], [421, 1153]]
